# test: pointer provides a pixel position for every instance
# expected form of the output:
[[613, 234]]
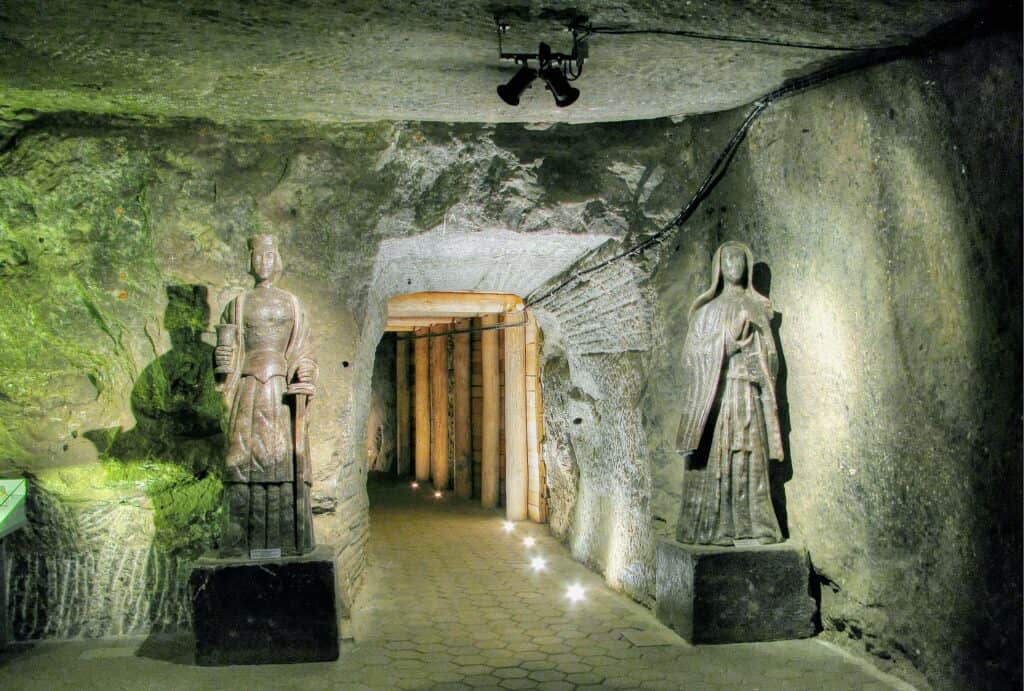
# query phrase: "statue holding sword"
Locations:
[[267, 375]]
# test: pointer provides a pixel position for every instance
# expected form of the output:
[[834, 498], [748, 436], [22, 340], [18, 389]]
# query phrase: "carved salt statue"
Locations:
[[265, 355], [729, 366]]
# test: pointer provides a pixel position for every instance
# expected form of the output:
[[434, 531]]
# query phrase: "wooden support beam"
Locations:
[[490, 416], [403, 445], [516, 463], [535, 484], [463, 460], [452, 304], [407, 322], [422, 406], [439, 406]]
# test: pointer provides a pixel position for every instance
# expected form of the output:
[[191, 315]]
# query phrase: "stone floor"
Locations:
[[451, 601]]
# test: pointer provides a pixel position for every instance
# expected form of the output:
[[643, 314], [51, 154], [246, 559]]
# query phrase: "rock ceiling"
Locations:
[[367, 60]]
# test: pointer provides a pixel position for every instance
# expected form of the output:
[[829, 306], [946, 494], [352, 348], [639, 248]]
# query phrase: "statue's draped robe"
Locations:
[[727, 495], [266, 508]]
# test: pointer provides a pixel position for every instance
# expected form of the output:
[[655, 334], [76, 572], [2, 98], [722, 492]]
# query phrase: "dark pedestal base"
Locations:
[[4, 634], [266, 612], [734, 594]]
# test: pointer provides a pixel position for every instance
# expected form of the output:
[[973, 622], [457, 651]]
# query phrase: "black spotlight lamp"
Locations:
[[556, 69], [565, 93], [520, 82]]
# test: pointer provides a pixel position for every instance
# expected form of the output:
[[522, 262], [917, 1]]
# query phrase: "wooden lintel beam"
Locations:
[[403, 323], [452, 304]]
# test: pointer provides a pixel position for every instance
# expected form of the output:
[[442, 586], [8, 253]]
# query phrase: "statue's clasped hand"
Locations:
[[303, 384], [739, 334], [304, 372], [223, 355]]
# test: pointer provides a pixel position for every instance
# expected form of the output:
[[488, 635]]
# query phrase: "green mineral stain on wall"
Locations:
[[64, 308], [186, 507]]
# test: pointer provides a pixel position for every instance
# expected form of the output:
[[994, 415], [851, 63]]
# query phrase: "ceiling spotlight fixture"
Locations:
[[511, 91], [556, 69], [565, 94]]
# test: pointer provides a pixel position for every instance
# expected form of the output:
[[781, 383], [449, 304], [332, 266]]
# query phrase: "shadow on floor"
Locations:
[[16, 650], [177, 649]]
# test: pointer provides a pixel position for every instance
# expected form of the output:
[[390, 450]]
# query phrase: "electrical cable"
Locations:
[[726, 38]]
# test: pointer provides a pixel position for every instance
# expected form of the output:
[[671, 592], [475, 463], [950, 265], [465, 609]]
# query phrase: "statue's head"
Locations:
[[734, 262], [264, 259]]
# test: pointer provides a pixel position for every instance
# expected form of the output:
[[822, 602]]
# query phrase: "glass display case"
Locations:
[[12, 505]]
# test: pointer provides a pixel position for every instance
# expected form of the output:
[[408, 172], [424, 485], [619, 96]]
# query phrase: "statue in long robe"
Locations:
[[265, 354], [729, 366]]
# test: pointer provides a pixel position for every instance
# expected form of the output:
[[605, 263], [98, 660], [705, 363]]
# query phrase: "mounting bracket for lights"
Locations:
[[556, 69]]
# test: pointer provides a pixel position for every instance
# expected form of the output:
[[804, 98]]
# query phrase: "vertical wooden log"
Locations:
[[534, 487], [422, 374], [403, 446], [501, 413], [476, 425], [542, 466], [439, 406], [516, 468], [490, 416], [463, 450]]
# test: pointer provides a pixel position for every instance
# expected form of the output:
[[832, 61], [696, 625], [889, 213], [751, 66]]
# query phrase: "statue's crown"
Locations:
[[262, 242]]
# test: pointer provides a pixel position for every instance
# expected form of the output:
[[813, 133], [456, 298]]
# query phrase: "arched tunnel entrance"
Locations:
[[457, 403], [461, 286], [581, 335]]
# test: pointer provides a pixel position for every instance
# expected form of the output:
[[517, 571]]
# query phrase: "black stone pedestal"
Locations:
[[710, 594], [4, 634], [267, 611]]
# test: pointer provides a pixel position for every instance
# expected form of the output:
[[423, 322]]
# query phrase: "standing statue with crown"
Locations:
[[268, 375]]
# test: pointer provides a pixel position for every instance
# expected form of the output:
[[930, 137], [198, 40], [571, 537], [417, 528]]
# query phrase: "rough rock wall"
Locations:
[[886, 208], [380, 423], [119, 245], [597, 335]]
